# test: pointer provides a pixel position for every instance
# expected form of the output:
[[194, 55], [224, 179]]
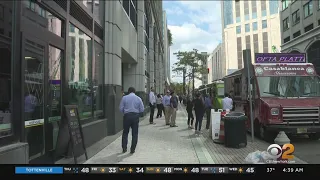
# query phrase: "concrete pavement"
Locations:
[[160, 144]]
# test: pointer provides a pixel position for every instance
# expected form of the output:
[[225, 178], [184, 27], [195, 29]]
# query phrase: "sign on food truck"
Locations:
[[288, 70], [280, 58]]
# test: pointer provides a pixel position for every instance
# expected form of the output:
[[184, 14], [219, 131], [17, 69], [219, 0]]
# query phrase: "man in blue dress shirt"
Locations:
[[131, 106]]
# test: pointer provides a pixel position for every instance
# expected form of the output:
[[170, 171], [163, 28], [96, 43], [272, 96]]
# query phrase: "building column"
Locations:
[[140, 67], [161, 73], [157, 78], [112, 63], [151, 54]]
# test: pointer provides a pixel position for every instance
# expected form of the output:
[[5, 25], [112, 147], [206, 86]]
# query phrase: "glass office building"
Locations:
[[51, 55]]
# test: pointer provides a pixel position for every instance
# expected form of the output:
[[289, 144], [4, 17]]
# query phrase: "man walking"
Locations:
[[131, 106], [189, 111], [167, 108], [227, 103], [208, 106], [152, 103], [174, 107]]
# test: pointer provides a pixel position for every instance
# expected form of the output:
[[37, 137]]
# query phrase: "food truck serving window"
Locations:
[[289, 86]]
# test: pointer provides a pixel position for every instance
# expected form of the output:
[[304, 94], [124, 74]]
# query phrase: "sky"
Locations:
[[193, 24]]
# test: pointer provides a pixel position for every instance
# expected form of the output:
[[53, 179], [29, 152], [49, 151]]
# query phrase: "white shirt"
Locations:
[[152, 98], [227, 103]]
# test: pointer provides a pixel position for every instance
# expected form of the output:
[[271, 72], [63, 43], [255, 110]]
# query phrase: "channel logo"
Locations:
[[282, 155]]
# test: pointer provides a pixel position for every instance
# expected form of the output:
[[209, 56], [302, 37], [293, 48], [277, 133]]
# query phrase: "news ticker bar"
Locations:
[[246, 169], [134, 170]]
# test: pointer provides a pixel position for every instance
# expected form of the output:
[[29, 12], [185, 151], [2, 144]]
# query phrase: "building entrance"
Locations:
[[313, 54]]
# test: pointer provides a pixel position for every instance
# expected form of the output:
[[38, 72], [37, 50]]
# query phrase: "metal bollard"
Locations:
[[281, 140]]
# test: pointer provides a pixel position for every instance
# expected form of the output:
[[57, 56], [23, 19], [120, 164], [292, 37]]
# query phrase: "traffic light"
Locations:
[[208, 70]]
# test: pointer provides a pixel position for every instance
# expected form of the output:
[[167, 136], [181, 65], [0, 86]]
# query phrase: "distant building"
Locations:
[[166, 55], [251, 25], [215, 65], [300, 27]]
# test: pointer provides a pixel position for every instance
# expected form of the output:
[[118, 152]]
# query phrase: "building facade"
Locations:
[[204, 64], [215, 65], [166, 55], [300, 29], [248, 25], [83, 53]]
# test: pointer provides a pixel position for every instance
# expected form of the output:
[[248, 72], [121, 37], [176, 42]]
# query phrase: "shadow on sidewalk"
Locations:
[[112, 159], [185, 129], [190, 136], [163, 128]]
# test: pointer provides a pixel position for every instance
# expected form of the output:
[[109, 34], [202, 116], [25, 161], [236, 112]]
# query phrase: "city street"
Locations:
[[160, 144]]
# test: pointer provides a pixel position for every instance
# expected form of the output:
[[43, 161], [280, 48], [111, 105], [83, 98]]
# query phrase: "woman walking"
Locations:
[[159, 105], [199, 111]]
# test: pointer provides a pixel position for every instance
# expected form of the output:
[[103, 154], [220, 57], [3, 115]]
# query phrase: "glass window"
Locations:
[[5, 70], [247, 17], [79, 77], [55, 59], [273, 6], [285, 24], [238, 19], [264, 24], [98, 10], [308, 9], [238, 29], [97, 80], [88, 4], [54, 24], [264, 13], [285, 4], [296, 17], [254, 26], [247, 27], [228, 12], [254, 15], [286, 86]]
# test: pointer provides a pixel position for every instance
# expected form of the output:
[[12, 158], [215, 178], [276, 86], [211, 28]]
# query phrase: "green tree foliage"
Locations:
[[177, 88], [191, 62], [169, 37]]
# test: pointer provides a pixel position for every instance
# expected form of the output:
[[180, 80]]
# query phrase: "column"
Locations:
[[142, 53], [161, 69], [156, 73], [112, 63], [151, 53]]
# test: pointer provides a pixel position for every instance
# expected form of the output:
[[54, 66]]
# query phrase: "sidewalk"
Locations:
[[160, 144]]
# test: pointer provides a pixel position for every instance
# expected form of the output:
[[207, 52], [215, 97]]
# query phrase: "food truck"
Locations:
[[216, 91], [285, 93]]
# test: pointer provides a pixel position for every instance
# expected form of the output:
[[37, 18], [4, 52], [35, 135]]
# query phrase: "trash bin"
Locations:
[[235, 130]]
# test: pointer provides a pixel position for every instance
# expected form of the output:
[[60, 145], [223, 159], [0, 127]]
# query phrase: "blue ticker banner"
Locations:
[[39, 170]]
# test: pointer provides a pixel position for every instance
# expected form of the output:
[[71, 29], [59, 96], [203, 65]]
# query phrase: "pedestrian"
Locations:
[[199, 111], [174, 107], [180, 98], [152, 104], [231, 96], [159, 106], [132, 107], [167, 108], [208, 107], [190, 114], [227, 103]]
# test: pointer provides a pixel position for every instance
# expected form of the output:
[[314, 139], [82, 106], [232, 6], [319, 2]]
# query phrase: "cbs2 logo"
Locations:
[[285, 152]]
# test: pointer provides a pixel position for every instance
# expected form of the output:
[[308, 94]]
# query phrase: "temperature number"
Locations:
[[250, 170], [195, 170], [167, 170], [85, 170], [269, 170]]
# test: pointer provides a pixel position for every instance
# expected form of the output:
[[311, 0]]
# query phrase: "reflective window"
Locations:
[[98, 10], [285, 24], [5, 68], [53, 24], [97, 80], [238, 29], [54, 64], [131, 10], [79, 77], [88, 4], [274, 7], [247, 27], [238, 19], [285, 4], [308, 9], [254, 26], [296, 17], [264, 13], [228, 13], [254, 15], [264, 24]]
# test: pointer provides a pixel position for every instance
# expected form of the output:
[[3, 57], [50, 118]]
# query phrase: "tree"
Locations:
[[191, 59], [169, 37], [177, 88]]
